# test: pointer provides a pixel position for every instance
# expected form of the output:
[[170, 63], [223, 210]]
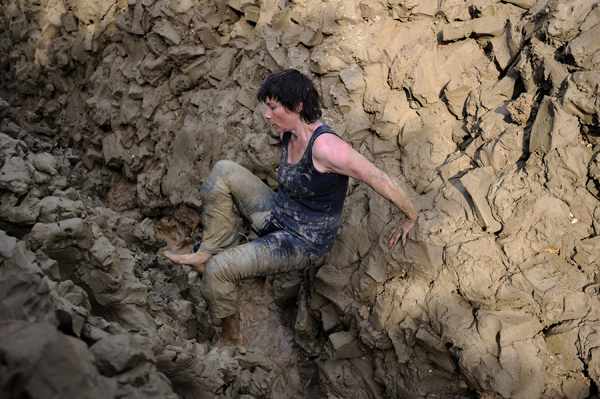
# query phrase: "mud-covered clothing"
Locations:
[[309, 203], [278, 248], [230, 186]]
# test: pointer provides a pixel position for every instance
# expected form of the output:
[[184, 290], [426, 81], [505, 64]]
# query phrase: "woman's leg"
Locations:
[[231, 334], [276, 252], [227, 185]]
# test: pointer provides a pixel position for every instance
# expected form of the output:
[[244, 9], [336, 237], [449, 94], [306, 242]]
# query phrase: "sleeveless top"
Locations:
[[309, 203]]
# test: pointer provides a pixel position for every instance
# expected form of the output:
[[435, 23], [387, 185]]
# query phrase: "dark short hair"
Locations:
[[292, 88]]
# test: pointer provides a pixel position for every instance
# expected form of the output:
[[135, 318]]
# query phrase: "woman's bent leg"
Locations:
[[229, 185]]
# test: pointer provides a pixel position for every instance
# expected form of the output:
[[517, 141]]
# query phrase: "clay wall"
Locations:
[[485, 111]]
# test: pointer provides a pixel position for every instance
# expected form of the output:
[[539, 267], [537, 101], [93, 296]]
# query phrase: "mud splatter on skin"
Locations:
[[338, 157]]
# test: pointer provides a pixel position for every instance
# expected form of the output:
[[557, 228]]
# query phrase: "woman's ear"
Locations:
[[299, 108]]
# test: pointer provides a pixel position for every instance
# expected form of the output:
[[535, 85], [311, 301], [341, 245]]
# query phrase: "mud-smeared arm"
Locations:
[[332, 154]]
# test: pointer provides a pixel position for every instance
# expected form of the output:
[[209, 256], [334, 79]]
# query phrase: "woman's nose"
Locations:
[[268, 113]]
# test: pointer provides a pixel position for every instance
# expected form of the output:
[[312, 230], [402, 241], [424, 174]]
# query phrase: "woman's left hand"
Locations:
[[401, 231]]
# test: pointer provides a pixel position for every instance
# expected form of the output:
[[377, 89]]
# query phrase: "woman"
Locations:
[[298, 224]]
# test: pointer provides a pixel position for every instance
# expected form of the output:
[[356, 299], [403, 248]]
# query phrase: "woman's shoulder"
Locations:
[[327, 142], [325, 131], [323, 128]]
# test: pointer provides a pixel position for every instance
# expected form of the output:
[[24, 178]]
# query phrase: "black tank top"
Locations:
[[309, 203]]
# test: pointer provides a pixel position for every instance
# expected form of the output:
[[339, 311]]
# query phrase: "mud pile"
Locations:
[[486, 112], [86, 311]]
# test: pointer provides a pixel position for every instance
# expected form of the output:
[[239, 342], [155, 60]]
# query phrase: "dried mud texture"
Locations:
[[486, 112]]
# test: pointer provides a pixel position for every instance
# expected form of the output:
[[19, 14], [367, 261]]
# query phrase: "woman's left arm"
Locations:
[[332, 154]]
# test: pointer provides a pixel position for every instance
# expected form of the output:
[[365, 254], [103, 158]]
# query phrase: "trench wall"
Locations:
[[486, 112]]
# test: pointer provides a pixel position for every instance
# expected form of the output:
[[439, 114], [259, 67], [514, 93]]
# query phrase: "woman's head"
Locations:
[[292, 89]]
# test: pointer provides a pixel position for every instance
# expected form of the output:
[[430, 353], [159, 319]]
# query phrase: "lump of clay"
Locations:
[[552, 128], [119, 353], [485, 112], [26, 212], [581, 96], [46, 163], [16, 175], [36, 349]]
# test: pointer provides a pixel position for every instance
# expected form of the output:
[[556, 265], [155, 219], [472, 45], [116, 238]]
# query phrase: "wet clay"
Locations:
[[112, 115]]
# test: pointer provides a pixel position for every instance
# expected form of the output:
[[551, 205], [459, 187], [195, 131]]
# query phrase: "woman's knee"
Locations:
[[212, 270], [224, 167], [216, 178], [218, 287], [217, 274]]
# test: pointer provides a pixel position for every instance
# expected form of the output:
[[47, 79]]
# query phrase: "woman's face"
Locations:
[[281, 119]]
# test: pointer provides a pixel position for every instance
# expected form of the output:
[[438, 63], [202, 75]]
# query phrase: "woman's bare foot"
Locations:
[[196, 261]]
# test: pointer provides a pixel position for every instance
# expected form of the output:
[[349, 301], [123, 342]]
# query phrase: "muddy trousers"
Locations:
[[227, 187]]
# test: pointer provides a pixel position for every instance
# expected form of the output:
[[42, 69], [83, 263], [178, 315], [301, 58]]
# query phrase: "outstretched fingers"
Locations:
[[394, 236], [400, 233], [404, 235]]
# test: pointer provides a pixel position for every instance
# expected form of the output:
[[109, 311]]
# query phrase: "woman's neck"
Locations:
[[304, 131], [299, 141]]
